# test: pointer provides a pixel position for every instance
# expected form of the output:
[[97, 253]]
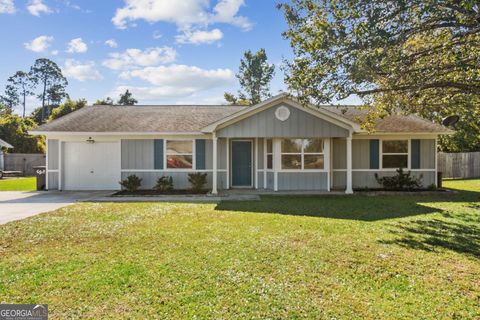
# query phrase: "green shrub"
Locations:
[[432, 187], [132, 183], [198, 181], [164, 184], [401, 181]]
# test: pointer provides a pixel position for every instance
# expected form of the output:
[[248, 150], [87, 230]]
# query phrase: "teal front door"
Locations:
[[241, 163]]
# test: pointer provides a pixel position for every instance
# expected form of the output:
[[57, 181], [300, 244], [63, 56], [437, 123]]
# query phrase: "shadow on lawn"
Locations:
[[458, 231], [429, 235], [362, 208]]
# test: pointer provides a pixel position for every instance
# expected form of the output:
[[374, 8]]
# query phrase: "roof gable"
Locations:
[[277, 100], [298, 123]]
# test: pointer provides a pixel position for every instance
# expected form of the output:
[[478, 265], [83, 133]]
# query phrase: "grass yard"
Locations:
[[18, 184], [346, 257]]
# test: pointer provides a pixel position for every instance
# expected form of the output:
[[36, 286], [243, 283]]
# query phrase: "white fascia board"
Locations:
[[318, 112], [71, 133]]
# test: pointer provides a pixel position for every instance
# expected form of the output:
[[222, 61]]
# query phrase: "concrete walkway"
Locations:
[[17, 205]]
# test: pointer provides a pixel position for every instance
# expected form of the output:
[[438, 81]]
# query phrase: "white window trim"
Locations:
[[395, 153], [268, 154], [165, 163], [303, 154]]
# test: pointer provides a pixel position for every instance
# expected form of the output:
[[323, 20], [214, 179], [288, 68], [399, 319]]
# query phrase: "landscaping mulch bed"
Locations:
[[154, 193]]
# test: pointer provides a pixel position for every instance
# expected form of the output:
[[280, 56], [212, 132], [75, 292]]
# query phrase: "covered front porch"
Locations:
[[279, 165]]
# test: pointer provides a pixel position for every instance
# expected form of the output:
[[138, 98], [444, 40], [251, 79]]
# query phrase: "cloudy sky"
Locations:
[[164, 51]]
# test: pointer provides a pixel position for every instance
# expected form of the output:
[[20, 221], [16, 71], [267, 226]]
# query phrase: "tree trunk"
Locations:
[[43, 99], [24, 98]]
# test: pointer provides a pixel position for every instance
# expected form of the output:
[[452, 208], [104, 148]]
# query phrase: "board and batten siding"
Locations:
[[137, 154], [366, 179], [361, 161], [53, 163], [427, 154], [360, 154], [300, 124], [302, 181]]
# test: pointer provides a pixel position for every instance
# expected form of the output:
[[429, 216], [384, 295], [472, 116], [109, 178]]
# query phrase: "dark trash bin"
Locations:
[[41, 174], [439, 179]]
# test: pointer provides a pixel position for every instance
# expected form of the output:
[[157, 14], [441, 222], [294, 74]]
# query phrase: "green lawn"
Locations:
[[18, 184], [345, 257]]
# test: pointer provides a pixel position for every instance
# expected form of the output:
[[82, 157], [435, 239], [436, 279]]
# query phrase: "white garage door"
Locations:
[[91, 166]]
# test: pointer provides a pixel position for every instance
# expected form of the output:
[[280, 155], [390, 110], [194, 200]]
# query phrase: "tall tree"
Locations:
[[254, 75], [127, 99], [22, 85], [48, 75], [11, 97], [417, 55]]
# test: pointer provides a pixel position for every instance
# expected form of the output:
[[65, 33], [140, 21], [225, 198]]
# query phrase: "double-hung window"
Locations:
[[269, 154], [302, 154], [179, 154], [394, 154]]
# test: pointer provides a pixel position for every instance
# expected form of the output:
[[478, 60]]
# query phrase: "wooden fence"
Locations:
[[459, 165], [23, 162]]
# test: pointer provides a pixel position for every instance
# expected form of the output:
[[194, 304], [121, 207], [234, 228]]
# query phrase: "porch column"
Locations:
[[227, 179], [349, 189], [46, 163], [60, 166], [277, 161], [214, 175]]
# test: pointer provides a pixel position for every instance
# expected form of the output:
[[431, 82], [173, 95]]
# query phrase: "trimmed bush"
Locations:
[[132, 183], [164, 184], [198, 181], [401, 181]]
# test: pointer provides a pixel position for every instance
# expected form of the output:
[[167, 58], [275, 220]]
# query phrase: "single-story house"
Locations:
[[275, 145], [3, 145]]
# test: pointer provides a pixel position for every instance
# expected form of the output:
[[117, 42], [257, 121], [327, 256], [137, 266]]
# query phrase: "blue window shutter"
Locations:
[[200, 154], [374, 154], [415, 161], [158, 153]]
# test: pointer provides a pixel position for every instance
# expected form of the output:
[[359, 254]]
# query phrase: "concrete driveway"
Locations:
[[17, 205]]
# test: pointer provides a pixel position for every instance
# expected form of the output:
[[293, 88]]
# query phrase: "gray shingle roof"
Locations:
[[192, 119], [139, 119], [394, 123]]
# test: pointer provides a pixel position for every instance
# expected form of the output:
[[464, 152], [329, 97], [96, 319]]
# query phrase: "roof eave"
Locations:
[[282, 97]]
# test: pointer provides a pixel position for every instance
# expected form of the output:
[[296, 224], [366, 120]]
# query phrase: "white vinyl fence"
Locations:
[[459, 165]]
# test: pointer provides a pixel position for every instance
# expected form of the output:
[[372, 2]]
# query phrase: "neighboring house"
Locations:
[[3, 145], [275, 145]]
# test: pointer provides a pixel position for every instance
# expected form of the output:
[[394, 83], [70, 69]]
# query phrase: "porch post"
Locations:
[[349, 189], [277, 161], [46, 163], [214, 175], [60, 165], [227, 179]]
